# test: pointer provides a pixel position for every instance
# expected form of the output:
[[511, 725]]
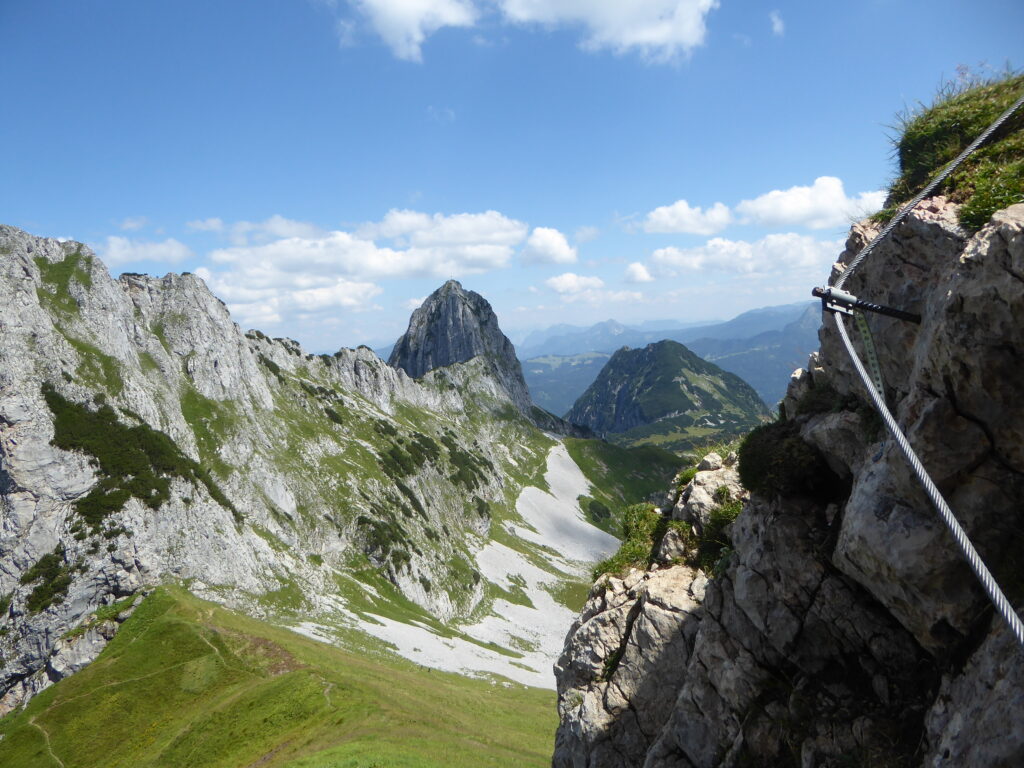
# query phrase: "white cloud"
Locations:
[[681, 217], [242, 232], [206, 225], [306, 271], [548, 246], [638, 273], [405, 24], [586, 234], [570, 282], [821, 206], [660, 30], [441, 115], [778, 25], [412, 304], [133, 223], [771, 254], [121, 250], [256, 300]]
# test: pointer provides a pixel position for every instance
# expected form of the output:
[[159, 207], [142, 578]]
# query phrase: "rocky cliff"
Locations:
[[144, 439], [454, 325], [665, 393], [844, 628]]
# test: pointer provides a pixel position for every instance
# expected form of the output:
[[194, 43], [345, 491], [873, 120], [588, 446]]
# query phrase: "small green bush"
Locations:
[[598, 511], [54, 575], [775, 461], [333, 415], [713, 541]]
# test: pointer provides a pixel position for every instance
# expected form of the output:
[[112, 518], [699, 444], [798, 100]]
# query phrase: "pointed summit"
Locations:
[[454, 325]]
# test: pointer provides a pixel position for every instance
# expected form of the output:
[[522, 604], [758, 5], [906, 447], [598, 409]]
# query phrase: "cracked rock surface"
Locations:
[[845, 630]]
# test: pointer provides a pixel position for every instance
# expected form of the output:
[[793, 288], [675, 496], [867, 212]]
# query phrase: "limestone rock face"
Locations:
[[849, 628], [624, 659], [454, 325]]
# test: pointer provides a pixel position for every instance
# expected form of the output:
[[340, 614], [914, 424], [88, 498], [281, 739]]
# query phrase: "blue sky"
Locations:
[[325, 165]]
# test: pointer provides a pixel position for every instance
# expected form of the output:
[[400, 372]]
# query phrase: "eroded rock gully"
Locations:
[[845, 631]]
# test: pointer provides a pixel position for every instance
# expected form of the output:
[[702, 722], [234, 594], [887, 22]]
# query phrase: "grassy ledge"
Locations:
[[930, 137]]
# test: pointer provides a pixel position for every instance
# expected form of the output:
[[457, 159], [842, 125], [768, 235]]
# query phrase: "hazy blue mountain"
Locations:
[[767, 360], [762, 346], [555, 381], [610, 335]]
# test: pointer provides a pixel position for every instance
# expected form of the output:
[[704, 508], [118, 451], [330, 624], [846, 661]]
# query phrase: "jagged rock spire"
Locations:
[[454, 325]]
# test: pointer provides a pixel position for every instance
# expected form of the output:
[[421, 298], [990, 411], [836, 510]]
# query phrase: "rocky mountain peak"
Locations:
[[454, 325]]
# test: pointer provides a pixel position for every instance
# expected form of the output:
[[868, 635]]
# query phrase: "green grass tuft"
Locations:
[[57, 278], [776, 461], [930, 137], [54, 577]]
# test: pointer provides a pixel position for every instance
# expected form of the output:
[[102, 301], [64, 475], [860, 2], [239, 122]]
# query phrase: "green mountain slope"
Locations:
[[189, 683], [665, 395]]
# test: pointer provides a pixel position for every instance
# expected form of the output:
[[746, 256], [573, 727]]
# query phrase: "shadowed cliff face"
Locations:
[[452, 326], [845, 630]]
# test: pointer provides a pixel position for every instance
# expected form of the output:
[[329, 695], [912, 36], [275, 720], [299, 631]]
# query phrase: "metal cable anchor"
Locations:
[[838, 300]]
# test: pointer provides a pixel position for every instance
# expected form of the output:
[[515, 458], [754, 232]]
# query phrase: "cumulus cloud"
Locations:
[[268, 296], [133, 223], [306, 270], [778, 25], [822, 205], [548, 246], [681, 217], [122, 250], [418, 229], [660, 30], [405, 24], [638, 273], [573, 288], [206, 225], [570, 282], [773, 253]]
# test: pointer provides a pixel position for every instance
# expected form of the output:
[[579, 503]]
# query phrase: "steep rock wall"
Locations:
[[845, 627]]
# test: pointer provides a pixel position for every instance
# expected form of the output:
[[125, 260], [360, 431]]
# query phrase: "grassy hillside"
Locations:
[[188, 683], [929, 138], [620, 477]]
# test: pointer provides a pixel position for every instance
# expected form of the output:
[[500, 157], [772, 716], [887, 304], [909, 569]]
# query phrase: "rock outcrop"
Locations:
[[845, 628]]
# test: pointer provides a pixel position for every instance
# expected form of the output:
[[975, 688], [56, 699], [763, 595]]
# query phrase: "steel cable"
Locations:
[[995, 594]]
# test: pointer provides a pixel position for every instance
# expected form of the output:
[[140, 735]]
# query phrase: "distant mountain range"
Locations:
[[762, 346]]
